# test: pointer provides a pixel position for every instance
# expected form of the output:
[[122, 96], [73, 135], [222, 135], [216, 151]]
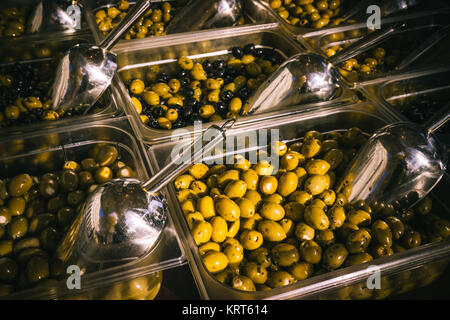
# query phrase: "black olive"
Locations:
[[153, 123], [207, 65], [219, 73], [158, 112], [162, 77], [184, 82], [227, 95], [181, 73], [219, 64], [237, 52], [258, 53], [244, 93], [187, 111], [249, 48], [178, 123], [221, 107], [188, 92]]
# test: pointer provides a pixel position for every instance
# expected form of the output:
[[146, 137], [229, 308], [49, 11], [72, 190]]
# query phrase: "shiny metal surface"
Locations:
[[206, 14], [308, 77], [399, 165], [85, 72], [304, 78], [123, 218]]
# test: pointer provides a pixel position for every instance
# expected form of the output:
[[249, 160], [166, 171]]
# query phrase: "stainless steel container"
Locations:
[[164, 52], [46, 150], [403, 271]]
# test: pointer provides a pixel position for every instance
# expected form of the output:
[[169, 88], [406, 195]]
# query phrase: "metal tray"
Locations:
[[165, 50], [254, 13], [46, 150], [409, 269]]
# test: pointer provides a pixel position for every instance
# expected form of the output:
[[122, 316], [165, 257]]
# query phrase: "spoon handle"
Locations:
[[135, 13], [364, 44], [182, 161], [438, 119]]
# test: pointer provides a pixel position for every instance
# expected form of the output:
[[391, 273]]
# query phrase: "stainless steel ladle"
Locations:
[[308, 77], [399, 165], [206, 14], [123, 218], [86, 71]]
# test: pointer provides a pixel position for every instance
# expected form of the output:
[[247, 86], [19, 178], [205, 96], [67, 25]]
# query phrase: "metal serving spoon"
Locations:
[[86, 71], [399, 165], [123, 218], [308, 77]]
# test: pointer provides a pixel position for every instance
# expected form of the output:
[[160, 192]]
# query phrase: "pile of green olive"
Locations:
[[36, 211], [201, 90], [309, 13], [12, 22], [259, 228], [153, 23]]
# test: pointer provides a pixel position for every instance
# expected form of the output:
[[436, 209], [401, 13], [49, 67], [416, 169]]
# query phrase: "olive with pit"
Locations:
[[215, 261], [37, 269], [257, 273], [358, 241], [334, 256], [316, 184], [251, 239], [8, 269], [287, 183], [19, 185], [397, 227], [272, 211], [271, 231], [243, 283], [228, 209], [285, 254], [106, 155], [69, 180], [302, 270], [268, 185], [280, 278], [381, 233], [316, 218], [304, 232], [310, 251], [234, 253], [261, 256], [236, 189], [18, 227]]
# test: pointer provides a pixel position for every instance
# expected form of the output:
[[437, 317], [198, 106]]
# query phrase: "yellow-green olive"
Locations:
[[315, 184], [233, 228], [251, 239], [243, 283], [272, 211], [37, 269], [219, 229], [301, 197], [18, 227], [358, 241], [311, 147], [336, 216], [424, 206], [280, 278], [198, 170], [328, 197], [215, 261], [380, 250], [257, 273], [271, 231], [183, 182], [227, 176], [397, 227], [201, 231], [381, 233], [310, 251], [411, 239], [294, 211], [358, 258], [302, 270], [263, 168], [19, 185], [234, 253], [199, 187], [254, 197], [317, 166], [228, 209], [251, 179], [247, 207], [5, 216], [209, 246], [261, 256], [325, 238], [16, 206], [359, 218], [285, 254], [106, 155], [205, 206], [316, 218], [278, 148], [236, 189], [193, 217], [274, 198], [291, 160], [334, 256], [304, 232], [103, 175], [268, 185], [287, 184], [137, 86]]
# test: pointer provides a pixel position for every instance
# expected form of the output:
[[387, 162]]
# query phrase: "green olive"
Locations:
[[49, 185], [236, 189], [271, 231], [316, 218], [334, 256], [287, 184], [251, 239], [74, 198], [304, 232], [205, 205], [359, 218], [228, 209], [334, 157], [316, 184], [106, 155], [310, 251], [291, 160], [358, 258], [380, 250], [317, 166], [285, 254], [251, 179], [17, 228], [103, 175], [294, 211], [234, 253], [424, 206], [201, 231], [257, 273], [311, 147], [208, 246], [89, 164], [42, 221], [49, 239], [86, 179], [302, 270], [243, 283], [272, 211], [268, 185], [325, 238], [397, 227], [280, 278], [5, 216], [219, 229], [69, 180], [247, 207], [263, 168], [261, 256], [198, 170], [227, 176], [19, 185], [411, 239], [183, 182], [382, 233], [16, 206], [215, 261], [358, 241], [37, 269], [56, 203], [6, 247], [254, 197]]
